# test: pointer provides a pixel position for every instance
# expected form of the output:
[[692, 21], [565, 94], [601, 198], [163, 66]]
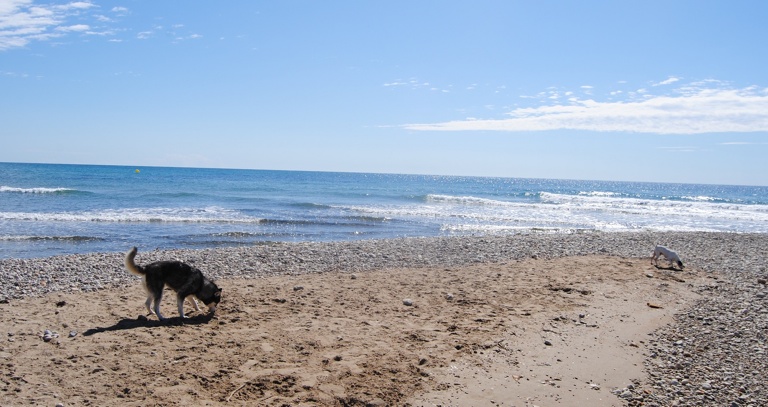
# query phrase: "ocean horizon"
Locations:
[[58, 209]]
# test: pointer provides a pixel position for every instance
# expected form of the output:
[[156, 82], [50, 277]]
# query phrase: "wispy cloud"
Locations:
[[167, 32], [668, 81], [23, 21], [743, 143], [691, 109], [73, 28], [414, 83]]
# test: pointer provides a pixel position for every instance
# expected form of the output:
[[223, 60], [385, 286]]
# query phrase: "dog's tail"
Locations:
[[131, 265]]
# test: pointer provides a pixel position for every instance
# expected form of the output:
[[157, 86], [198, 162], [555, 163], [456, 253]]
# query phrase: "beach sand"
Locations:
[[520, 332]]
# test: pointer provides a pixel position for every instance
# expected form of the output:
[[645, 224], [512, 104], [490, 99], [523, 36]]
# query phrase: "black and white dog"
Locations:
[[187, 281], [668, 254]]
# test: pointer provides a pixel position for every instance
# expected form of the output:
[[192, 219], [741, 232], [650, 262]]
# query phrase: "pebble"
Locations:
[[48, 335], [720, 340], [408, 302]]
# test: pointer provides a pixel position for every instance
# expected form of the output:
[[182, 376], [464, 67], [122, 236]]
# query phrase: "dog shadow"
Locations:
[[144, 322], [670, 268]]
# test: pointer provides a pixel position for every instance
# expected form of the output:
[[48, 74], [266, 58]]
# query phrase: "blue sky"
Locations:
[[669, 91]]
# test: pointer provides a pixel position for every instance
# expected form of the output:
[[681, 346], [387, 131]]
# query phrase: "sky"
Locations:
[[660, 91]]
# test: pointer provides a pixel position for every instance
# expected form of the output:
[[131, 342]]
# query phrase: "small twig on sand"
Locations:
[[235, 391]]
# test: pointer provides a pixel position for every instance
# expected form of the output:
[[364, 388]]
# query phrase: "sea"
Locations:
[[53, 209]]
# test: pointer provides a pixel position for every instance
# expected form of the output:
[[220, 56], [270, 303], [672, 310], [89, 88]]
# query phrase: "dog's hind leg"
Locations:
[[150, 296], [157, 310], [148, 304], [158, 299]]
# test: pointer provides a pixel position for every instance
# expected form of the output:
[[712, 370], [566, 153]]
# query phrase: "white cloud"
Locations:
[[417, 84], [76, 27], [22, 21], [75, 5], [689, 112], [669, 81]]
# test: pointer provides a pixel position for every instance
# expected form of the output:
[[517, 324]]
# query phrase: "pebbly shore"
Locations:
[[716, 353]]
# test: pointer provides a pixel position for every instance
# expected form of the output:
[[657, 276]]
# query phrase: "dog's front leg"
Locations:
[[193, 301]]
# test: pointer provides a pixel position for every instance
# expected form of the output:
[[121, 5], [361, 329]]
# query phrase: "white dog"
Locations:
[[670, 255]]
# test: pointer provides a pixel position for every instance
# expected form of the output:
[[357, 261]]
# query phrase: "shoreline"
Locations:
[[712, 354], [24, 277]]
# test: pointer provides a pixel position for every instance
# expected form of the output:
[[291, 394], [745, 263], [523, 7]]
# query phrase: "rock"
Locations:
[[377, 402], [408, 302], [652, 305], [49, 335]]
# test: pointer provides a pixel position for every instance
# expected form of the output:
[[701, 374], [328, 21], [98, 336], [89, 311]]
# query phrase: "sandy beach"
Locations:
[[526, 320]]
